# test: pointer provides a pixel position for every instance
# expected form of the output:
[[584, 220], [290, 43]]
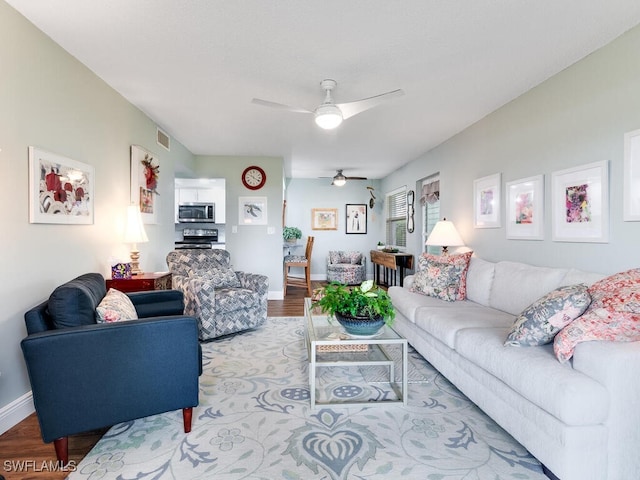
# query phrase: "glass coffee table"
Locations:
[[329, 346]]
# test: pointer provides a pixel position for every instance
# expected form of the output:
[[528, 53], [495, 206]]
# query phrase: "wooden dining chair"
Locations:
[[302, 262]]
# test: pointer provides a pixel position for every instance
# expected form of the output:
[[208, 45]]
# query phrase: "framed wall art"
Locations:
[[580, 203], [324, 218], [356, 218], [252, 210], [145, 170], [487, 202], [525, 208], [60, 189], [631, 209]]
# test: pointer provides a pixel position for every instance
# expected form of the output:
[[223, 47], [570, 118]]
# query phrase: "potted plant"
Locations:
[[361, 310], [291, 234], [380, 246]]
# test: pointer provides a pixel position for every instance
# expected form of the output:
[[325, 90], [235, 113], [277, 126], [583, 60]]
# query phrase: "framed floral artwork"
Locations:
[[580, 203], [252, 210], [631, 209], [525, 208], [487, 202], [60, 189], [324, 218], [356, 218], [145, 170]]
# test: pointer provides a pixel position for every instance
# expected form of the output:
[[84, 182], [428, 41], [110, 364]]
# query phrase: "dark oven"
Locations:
[[197, 238]]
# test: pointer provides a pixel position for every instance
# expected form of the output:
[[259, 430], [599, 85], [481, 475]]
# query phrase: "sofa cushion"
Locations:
[[570, 396], [614, 314], [517, 285], [479, 280], [575, 276], [115, 307], [445, 322], [439, 278], [539, 323], [232, 299], [460, 259], [221, 278], [74, 303]]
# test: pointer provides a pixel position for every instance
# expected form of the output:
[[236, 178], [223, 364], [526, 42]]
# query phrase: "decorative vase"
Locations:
[[292, 241], [360, 326]]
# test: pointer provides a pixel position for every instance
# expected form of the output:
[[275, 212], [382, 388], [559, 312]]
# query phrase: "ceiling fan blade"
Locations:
[[356, 178], [353, 108], [267, 103]]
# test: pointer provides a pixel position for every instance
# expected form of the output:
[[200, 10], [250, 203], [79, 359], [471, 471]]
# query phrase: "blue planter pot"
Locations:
[[360, 326]]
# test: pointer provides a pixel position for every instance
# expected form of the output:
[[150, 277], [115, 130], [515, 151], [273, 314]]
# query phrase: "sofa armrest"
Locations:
[[255, 282], [93, 376], [158, 303]]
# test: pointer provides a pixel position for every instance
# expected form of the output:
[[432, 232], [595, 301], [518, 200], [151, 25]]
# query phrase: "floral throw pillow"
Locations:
[[539, 323], [459, 260], [438, 279], [614, 315], [115, 307]]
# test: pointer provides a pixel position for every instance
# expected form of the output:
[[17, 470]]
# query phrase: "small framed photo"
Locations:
[[356, 218], [145, 170], [580, 203], [632, 176], [525, 208], [487, 202], [324, 218], [60, 189], [252, 210]]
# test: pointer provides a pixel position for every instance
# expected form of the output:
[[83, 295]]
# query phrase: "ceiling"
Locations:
[[193, 66]]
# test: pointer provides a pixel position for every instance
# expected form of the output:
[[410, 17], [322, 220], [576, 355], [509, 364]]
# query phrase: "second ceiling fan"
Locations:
[[329, 115]]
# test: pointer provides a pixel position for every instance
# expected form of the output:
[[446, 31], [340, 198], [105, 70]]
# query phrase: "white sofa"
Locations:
[[580, 419]]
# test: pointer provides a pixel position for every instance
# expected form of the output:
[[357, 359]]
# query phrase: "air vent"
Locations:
[[164, 139]]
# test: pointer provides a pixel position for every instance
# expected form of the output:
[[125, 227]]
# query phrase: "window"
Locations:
[[430, 201], [397, 218]]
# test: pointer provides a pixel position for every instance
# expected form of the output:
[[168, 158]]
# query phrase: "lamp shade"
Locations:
[[328, 116], [444, 234], [134, 228]]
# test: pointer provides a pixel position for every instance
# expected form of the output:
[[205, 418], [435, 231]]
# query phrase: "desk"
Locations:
[[391, 263]]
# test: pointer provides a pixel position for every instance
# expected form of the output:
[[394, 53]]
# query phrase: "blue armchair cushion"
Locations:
[[115, 307], [74, 303]]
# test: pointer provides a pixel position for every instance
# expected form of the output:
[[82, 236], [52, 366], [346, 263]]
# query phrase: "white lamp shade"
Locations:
[[444, 234], [328, 116], [134, 228]]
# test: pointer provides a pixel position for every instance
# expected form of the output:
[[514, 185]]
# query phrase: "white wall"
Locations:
[[305, 194], [49, 100], [577, 117]]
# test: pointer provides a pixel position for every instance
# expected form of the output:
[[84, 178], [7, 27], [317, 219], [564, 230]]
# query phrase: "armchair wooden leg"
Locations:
[[62, 449], [187, 414]]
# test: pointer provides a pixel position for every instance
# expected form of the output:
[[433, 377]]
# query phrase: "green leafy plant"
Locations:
[[289, 233], [365, 300]]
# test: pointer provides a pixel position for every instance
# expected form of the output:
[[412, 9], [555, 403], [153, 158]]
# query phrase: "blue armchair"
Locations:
[[86, 375]]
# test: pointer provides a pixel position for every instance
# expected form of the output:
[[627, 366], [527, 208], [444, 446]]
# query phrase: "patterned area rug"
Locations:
[[254, 422]]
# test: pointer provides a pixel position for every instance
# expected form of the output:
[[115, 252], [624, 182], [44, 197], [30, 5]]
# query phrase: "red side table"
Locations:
[[143, 282]]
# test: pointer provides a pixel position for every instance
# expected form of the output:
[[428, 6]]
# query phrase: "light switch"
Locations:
[[271, 230], [234, 229]]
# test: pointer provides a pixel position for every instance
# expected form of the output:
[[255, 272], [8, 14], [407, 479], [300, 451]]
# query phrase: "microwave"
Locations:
[[196, 212]]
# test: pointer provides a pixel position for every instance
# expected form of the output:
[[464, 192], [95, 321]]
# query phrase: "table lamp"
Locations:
[[444, 234], [134, 233]]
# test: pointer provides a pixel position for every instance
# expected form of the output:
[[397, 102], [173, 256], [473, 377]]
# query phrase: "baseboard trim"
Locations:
[[13, 413]]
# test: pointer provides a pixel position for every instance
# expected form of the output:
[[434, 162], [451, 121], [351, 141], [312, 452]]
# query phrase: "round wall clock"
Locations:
[[254, 178]]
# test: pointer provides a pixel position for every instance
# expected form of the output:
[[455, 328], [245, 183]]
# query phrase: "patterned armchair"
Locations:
[[222, 300], [348, 268]]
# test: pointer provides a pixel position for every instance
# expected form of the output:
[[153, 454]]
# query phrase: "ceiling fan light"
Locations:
[[328, 116], [339, 180]]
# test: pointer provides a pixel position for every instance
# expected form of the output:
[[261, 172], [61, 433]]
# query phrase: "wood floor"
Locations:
[[23, 455]]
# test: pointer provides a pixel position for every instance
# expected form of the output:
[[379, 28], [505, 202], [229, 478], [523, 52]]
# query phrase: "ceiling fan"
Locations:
[[339, 179], [329, 115]]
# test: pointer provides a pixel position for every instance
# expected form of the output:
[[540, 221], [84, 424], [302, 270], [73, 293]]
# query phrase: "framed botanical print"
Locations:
[[145, 171], [487, 202], [525, 208], [252, 210], [580, 203]]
